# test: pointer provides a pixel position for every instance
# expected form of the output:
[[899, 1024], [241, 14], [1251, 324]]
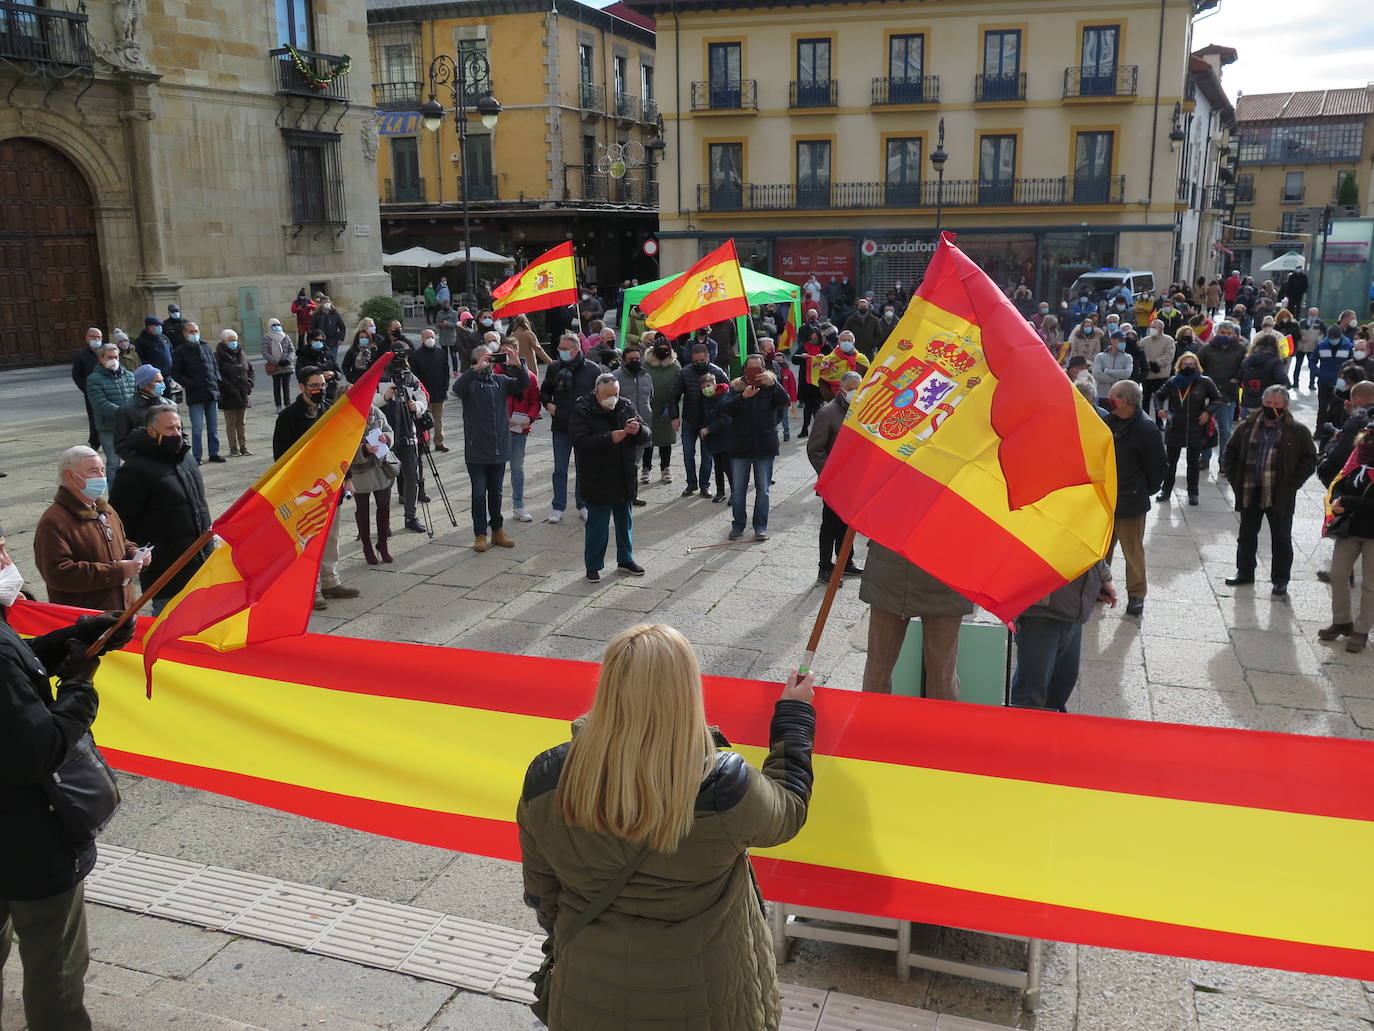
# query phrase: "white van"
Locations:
[[1100, 282]]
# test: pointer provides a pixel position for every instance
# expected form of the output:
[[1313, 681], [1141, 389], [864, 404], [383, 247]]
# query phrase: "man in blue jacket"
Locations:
[[486, 438]]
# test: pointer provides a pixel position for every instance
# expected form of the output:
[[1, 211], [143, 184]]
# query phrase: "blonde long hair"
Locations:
[[635, 767]]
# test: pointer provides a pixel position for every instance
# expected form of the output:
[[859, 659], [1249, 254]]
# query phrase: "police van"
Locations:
[[1103, 282]]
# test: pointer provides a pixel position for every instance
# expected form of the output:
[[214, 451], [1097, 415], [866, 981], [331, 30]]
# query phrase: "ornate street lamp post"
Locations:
[[938, 157]]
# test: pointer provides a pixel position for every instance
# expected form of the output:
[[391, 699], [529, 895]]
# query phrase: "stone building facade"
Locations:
[[174, 151]]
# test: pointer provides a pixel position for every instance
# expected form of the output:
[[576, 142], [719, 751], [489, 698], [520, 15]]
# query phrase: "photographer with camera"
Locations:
[[402, 401], [484, 389]]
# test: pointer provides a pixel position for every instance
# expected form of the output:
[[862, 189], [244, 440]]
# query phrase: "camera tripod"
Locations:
[[423, 453]]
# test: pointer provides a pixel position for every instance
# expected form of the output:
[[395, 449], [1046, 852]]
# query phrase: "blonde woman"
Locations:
[[648, 794]]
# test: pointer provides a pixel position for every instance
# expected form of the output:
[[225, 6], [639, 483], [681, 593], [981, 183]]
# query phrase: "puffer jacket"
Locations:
[[236, 377], [638, 389], [664, 373], [895, 585], [1261, 369], [129, 420], [107, 391], [685, 947], [77, 548], [486, 424], [1221, 364], [1072, 603]]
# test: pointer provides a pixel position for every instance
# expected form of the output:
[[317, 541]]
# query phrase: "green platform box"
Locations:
[[984, 663]]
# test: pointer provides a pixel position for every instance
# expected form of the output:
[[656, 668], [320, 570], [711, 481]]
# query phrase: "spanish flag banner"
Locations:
[[549, 281], [1228, 845], [968, 451], [1286, 347], [710, 291], [259, 581]]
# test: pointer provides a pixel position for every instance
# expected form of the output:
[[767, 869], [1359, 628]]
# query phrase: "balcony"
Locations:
[[725, 95], [627, 106], [1245, 191], [592, 97], [923, 89], [583, 184], [481, 190], [391, 96], [1217, 198], [958, 193], [41, 38], [650, 111], [409, 191], [999, 88], [293, 82], [817, 93], [1085, 81]]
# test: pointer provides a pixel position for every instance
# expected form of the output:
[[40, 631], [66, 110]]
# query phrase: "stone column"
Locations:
[[136, 112]]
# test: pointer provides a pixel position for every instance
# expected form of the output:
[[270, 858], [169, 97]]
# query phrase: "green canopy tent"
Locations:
[[758, 289]]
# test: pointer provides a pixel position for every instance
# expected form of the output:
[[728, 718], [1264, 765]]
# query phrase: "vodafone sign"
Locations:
[[869, 248]]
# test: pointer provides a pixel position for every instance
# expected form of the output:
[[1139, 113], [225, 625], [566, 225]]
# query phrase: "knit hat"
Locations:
[[152, 320], [465, 317], [145, 374]]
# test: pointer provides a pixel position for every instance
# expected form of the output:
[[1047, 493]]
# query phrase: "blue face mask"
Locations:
[[95, 487], [155, 328], [193, 338], [567, 356], [159, 389], [233, 344]]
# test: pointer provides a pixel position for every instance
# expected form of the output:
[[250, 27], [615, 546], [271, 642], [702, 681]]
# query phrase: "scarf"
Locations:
[[1262, 465]]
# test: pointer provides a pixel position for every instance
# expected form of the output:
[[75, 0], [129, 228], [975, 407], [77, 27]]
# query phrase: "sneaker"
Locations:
[[687, 492], [218, 458], [245, 453], [667, 477], [644, 476], [736, 534], [340, 591], [594, 576], [1135, 606], [582, 513], [233, 452], [632, 568], [523, 516], [414, 525], [760, 535], [556, 516]]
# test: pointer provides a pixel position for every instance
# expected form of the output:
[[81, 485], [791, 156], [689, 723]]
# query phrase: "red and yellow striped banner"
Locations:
[[1237, 846]]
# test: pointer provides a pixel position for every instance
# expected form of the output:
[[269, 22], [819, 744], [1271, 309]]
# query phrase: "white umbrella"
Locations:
[[478, 254], [1290, 262], [416, 257]]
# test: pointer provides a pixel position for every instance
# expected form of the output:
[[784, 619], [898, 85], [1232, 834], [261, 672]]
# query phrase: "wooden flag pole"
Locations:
[[151, 592], [836, 575]]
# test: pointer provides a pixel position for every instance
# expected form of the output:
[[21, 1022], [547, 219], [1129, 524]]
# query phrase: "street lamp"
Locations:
[[460, 77], [938, 157]]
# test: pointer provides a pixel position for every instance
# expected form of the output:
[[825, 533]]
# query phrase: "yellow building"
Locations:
[[566, 158], [806, 131]]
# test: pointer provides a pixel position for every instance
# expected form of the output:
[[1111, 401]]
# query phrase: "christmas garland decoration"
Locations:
[[318, 82]]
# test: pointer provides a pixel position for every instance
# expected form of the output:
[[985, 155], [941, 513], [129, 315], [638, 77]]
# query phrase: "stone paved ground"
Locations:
[[1203, 654]]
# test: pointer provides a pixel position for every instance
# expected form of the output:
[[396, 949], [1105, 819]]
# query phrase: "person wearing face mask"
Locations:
[[523, 410], [604, 353], [486, 321], [330, 324], [1331, 355], [689, 417], [865, 329], [608, 435], [1086, 341], [833, 529], [303, 308], [1269, 458], [1172, 317], [845, 358], [1350, 504], [1190, 404], [161, 499], [663, 369], [571, 377], [279, 357], [637, 387], [403, 402], [1221, 358], [85, 362], [807, 357], [361, 353], [174, 326], [446, 322], [1140, 468], [194, 366], [1261, 369], [150, 388], [430, 365], [1112, 366], [485, 390], [128, 357], [752, 406], [79, 544], [1158, 350], [236, 378], [153, 347], [110, 387], [316, 355]]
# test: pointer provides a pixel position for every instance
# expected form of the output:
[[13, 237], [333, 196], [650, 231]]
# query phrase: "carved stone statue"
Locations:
[[371, 139], [124, 51], [127, 14]]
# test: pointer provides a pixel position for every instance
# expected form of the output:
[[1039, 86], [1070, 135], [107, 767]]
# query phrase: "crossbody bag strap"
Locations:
[[599, 904]]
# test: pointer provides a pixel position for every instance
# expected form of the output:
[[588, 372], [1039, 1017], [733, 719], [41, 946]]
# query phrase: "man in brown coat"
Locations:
[[79, 545]]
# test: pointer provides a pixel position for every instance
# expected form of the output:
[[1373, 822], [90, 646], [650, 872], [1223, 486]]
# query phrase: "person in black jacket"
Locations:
[[85, 362], [1359, 409], [1139, 471], [1189, 402], [42, 869], [330, 324], [194, 367], [153, 347], [174, 327], [160, 497], [1353, 493], [715, 431], [607, 433], [317, 355], [1261, 369], [752, 407], [236, 378], [129, 419], [429, 362], [688, 415], [569, 378], [483, 389]]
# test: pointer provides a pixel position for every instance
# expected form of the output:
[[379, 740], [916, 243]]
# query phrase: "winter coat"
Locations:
[[366, 469], [36, 734], [638, 389], [129, 420], [331, 324], [1084, 344], [1339, 450], [161, 499], [527, 404], [430, 365], [321, 358], [194, 367], [527, 346], [446, 325], [76, 556], [279, 350], [565, 383], [686, 392], [304, 310], [236, 378], [1311, 332], [128, 358], [1140, 462], [608, 470], [867, 330], [754, 420], [824, 429], [1221, 364], [1331, 358], [292, 423], [398, 411], [1296, 460], [685, 947], [1358, 500], [1185, 404], [1111, 367], [106, 390], [1261, 369], [716, 423], [664, 374], [896, 585], [174, 328], [156, 350], [486, 422], [1074, 602], [84, 362], [1159, 355]]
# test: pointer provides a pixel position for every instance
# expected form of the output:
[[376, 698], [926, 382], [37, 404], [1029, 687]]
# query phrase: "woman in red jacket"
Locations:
[[304, 310]]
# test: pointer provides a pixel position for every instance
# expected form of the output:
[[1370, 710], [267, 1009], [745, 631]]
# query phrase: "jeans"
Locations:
[[203, 412], [1280, 543], [1226, 420], [784, 420], [55, 954], [691, 437], [595, 538], [1047, 653], [563, 453], [518, 441], [487, 481], [762, 471], [112, 460]]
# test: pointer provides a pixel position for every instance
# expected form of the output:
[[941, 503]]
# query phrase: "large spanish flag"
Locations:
[[549, 281], [710, 291], [259, 582], [1230, 845], [968, 450]]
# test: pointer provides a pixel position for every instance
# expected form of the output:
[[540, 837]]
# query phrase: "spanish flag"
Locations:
[[549, 281], [1286, 347], [968, 451], [710, 291], [259, 582]]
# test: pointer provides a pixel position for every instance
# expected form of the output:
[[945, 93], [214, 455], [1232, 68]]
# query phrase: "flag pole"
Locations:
[[148, 595], [836, 575]]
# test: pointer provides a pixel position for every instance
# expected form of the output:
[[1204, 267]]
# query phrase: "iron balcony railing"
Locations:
[[816, 93], [409, 191], [583, 184], [650, 111], [291, 81], [43, 36], [955, 193], [725, 95], [481, 189], [1245, 191], [923, 89], [592, 97], [396, 94], [627, 106], [999, 87], [1217, 198], [1087, 81]]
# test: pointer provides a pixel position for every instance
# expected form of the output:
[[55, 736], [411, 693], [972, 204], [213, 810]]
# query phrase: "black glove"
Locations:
[[89, 628], [1154, 366], [77, 670]]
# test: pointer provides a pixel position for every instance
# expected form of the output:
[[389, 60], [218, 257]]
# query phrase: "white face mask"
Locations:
[[609, 403], [847, 346], [10, 582], [111, 363], [428, 341]]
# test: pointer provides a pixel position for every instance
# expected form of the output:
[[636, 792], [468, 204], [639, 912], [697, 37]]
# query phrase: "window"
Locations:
[[1245, 187], [295, 24], [996, 169], [477, 167], [727, 176], [1302, 141], [725, 71], [1347, 191], [621, 65], [646, 82], [590, 181], [813, 74], [406, 187], [902, 184], [1291, 224], [905, 69], [1097, 76], [813, 174], [1292, 187], [480, 86], [1092, 168], [313, 170], [585, 63], [1241, 231]]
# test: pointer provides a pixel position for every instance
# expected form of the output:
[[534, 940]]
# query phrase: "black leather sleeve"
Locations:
[[791, 737]]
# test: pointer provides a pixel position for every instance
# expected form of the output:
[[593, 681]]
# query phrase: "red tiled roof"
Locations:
[[619, 10], [1332, 103]]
